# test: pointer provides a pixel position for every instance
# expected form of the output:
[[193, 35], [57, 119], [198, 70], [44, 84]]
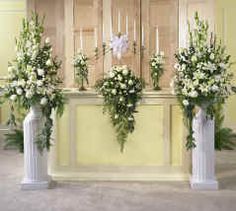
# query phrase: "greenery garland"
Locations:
[[80, 63], [33, 78], [202, 76], [121, 90], [156, 65]]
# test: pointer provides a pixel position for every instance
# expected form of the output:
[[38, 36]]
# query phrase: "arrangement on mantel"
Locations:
[[203, 77]]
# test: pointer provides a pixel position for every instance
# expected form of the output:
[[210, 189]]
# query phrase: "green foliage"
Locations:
[[121, 91], [225, 138], [156, 65]]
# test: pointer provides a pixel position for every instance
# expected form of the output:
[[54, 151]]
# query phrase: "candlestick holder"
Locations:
[[96, 53], [103, 48], [134, 47]]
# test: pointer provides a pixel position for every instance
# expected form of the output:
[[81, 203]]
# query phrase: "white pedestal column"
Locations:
[[35, 163], [203, 156]]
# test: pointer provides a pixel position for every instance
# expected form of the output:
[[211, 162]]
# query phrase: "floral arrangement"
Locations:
[[33, 77], [80, 63], [156, 65], [202, 76], [121, 90]]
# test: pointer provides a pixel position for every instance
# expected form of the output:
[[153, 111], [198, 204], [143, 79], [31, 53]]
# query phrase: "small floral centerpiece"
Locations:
[[121, 90], [80, 63], [156, 65], [202, 76], [33, 77]]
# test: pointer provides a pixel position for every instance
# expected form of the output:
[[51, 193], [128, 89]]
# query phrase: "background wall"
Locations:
[[11, 14]]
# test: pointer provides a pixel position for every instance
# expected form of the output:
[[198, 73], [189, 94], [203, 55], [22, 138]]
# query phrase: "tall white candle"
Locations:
[[142, 35], [81, 38], [119, 29], [127, 24], [95, 38], [157, 40], [111, 33], [135, 38], [103, 33]]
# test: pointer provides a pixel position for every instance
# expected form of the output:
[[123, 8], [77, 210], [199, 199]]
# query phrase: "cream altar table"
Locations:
[[86, 149]]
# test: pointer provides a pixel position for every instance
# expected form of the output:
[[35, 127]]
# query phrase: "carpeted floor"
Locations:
[[112, 196]]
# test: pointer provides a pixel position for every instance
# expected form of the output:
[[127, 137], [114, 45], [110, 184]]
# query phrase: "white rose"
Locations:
[[185, 102], [47, 40], [130, 82], [212, 56], [44, 101], [13, 97], [113, 91], [125, 72], [19, 91], [40, 72], [49, 62], [111, 74]]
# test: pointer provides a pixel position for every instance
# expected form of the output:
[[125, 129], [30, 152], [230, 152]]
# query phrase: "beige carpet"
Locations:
[[112, 196]]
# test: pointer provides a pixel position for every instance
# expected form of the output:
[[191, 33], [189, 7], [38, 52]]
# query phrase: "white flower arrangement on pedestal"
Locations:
[[80, 63], [121, 90], [202, 76], [33, 78], [156, 65]]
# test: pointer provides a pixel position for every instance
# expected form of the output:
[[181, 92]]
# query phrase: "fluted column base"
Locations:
[[36, 185]]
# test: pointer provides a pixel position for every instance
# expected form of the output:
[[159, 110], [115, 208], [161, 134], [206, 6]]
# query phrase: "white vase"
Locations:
[[35, 162], [203, 155]]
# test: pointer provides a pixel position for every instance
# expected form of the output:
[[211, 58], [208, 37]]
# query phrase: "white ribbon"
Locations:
[[119, 45]]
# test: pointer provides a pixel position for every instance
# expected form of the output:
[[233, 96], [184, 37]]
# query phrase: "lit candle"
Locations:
[[157, 40], [81, 39], [142, 36], [95, 38], [127, 24], [135, 38], [119, 22]]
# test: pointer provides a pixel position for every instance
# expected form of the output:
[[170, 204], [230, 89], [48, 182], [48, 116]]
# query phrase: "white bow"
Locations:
[[119, 45]]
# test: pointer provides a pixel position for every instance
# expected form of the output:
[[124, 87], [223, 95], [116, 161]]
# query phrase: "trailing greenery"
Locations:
[[121, 90], [33, 77], [225, 138], [202, 76], [80, 63], [156, 65]]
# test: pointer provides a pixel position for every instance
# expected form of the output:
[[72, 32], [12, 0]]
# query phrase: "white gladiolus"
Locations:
[[40, 72], [13, 97], [185, 102], [47, 40], [44, 101], [19, 91]]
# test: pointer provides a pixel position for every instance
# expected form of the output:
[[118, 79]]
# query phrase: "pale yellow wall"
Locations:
[[226, 30], [11, 14]]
